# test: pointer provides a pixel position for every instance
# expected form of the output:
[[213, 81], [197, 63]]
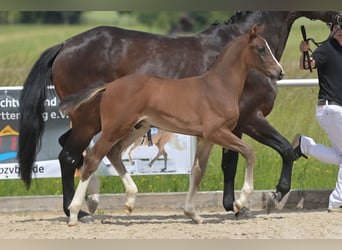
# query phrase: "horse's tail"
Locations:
[[31, 108], [74, 101]]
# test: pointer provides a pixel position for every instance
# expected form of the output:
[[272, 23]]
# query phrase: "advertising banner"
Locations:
[[178, 149]]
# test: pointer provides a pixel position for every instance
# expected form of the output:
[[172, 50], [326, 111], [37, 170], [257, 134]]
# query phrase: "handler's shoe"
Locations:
[[296, 147], [335, 209]]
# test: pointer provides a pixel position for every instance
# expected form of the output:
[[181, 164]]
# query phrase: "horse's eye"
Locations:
[[261, 49]]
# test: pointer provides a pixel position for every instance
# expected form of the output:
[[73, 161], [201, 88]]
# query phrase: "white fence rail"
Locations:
[[298, 82]]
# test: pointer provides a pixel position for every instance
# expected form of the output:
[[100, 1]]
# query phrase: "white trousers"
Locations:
[[329, 118]]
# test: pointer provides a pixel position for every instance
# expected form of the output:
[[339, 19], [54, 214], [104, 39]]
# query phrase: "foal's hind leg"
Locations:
[[114, 155], [203, 149], [90, 165], [131, 189]]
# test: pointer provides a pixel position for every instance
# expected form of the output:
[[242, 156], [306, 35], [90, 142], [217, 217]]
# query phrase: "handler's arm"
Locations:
[[305, 46]]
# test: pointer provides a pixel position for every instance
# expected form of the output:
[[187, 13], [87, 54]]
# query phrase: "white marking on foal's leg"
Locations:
[[246, 191], [189, 208], [131, 192], [76, 203]]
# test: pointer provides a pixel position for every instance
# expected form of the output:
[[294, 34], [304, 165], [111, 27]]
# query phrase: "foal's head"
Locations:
[[260, 56]]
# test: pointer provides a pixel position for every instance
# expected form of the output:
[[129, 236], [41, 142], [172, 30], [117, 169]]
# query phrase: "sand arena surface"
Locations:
[[280, 224]]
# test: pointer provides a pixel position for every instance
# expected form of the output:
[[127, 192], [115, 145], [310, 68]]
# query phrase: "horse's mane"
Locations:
[[239, 22], [248, 17]]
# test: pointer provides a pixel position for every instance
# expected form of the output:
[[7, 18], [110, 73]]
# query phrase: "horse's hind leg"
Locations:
[[73, 142], [114, 155], [90, 165], [163, 140], [203, 149], [129, 153], [161, 151]]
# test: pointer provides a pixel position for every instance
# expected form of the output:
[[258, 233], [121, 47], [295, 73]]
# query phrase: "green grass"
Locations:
[[294, 111]]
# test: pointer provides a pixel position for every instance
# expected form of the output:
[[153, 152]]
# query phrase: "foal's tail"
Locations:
[[31, 124], [74, 101]]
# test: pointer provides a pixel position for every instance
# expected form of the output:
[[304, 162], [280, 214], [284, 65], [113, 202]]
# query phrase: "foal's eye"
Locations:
[[261, 49]]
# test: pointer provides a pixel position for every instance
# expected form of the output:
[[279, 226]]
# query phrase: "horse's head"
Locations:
[[260, 56]]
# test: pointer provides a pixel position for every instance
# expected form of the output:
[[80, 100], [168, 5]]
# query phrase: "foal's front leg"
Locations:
[[228, 140], [197, 172], [265, 133]]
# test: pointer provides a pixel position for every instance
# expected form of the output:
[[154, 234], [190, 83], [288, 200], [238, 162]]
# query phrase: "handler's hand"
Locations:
[[304, 46]]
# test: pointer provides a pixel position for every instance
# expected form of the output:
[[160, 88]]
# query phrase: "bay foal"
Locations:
[[205, 106]]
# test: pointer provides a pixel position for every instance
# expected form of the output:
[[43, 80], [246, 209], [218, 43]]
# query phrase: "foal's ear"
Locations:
[[255, 30]]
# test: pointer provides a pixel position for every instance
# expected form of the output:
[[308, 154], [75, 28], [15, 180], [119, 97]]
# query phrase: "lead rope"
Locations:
[[306, 53]]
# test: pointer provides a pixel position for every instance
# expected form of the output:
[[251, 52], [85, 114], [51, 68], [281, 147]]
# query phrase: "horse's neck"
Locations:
[[277, 29], [230, 69]]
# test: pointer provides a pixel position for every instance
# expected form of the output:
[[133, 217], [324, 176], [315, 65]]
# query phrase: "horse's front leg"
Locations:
[[229, 165], [261, 130], [203, 149]]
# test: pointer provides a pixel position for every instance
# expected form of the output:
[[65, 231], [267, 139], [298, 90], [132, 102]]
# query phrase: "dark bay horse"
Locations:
[[103, 54], [207, 106]]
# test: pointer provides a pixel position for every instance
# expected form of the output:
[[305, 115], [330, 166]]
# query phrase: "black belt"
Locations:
[[322, 102]]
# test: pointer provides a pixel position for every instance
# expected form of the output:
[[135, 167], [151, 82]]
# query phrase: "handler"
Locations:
[[328, 60]]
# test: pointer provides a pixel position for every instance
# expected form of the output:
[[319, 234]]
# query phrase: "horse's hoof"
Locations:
[[195, 217], [128, 210], [92, 201], [82, 214], [198, 220], [243, 213], [86, 219], [272, 199], [237, 207], [72, 223], [73, 220]]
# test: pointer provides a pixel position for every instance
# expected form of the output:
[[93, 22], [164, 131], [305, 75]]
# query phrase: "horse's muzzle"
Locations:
[[281, 75]]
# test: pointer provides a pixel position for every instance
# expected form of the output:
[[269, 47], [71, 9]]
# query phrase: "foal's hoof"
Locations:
[[73, 220], [271, 201], [92, 201], [128, 209], [195, 217], [244, 213]]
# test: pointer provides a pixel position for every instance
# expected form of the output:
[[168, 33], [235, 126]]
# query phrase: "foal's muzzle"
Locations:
[[280, 75]]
